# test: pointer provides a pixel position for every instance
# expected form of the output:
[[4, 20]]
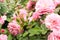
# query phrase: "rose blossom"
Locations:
[[14, 28], [52, 21], [45, 5], [57, 32], [36, 15], [3, 37], [52, 36]]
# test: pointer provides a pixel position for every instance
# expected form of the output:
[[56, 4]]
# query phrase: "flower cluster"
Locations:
[[27, 19]]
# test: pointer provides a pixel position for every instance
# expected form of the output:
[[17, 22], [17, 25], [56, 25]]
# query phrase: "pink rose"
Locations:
[[52, 21], [52, 36], [3, 37], [45, 5], [36, 15], [14, 28], [57, 32], [30, 4]]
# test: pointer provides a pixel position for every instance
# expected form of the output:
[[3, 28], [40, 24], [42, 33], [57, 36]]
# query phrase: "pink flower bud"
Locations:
[[2, 30], [30, 4]]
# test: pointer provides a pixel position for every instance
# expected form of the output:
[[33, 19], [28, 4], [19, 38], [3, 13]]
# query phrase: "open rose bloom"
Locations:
[[52, 21], [53, 37], [14, 28], [45, 5], [3, 37]]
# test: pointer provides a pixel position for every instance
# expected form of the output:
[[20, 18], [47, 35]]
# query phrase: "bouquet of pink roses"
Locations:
[[29, 19]]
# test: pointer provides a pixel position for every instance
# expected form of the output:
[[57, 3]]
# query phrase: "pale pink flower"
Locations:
[[3, 37], [56, 2], [45, 6], [2, 19], [23, 14], [52, 21], [36, 15], [57, 32], [52, 36], [30, 4], [14, 28]]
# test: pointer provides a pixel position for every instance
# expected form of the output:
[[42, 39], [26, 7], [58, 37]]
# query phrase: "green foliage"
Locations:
[[0, 26], [9, 37], [34, 31], [9, 14], [3, 8], [25, 34], [23, 2], [43, 29], [38, 32]]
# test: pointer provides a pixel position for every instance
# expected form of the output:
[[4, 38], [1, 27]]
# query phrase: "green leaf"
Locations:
[[43, 29], [3, 8], [10, 13], [19, 36], [26, 38], [9, 37], [25, 34], [9, 19], [0, 26], [23, 2], [6, 31], [34, 31]]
